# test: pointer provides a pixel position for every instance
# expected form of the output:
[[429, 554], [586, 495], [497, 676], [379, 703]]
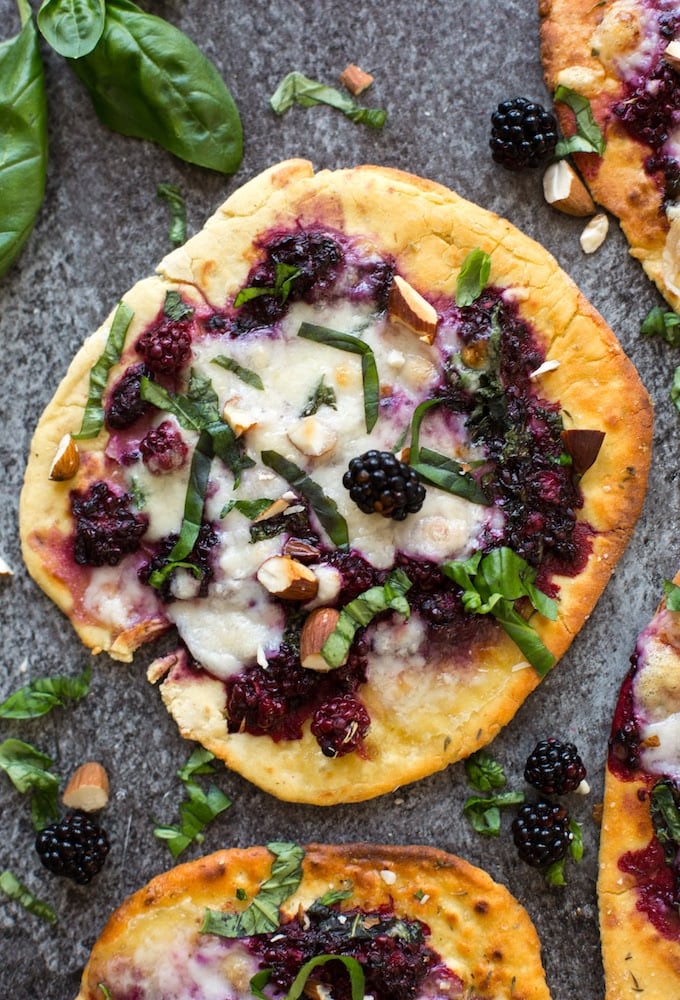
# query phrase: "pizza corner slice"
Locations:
[[370, 454]]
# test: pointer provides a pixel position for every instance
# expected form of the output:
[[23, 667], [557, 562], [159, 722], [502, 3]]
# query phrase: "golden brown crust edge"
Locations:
[[481, 931]]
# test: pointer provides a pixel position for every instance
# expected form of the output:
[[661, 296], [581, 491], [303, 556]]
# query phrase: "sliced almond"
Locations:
[[275, 507], [239, 419], [88, 788], [288, 579], [5, 568], [66, 460], [595, 233], [316, 629], [355, 79], [312, 437], [564, 190], [295, 548], [408, 307], [672, 53]]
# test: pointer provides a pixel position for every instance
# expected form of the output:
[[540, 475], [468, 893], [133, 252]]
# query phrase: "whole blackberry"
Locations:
[[125, 405], [166, 345], [523, 134], [339, 725], [554, 767], [106, 529], [163, 449], [378, 482], [76, 847], [541, 833]]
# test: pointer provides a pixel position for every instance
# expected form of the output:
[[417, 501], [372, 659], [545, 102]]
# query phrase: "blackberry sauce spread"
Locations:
[[211, 410]]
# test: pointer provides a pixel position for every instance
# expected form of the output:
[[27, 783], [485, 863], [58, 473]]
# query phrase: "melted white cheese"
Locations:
[[656, 691]]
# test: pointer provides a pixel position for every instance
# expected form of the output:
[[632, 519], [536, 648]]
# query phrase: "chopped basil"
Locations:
[[588, 138], [40, 696], [200, 808], [672, 592], [175, 308], [439, 470], [245, 374], [491, 584], [369, 370], [665, 813], [106, 993], [484, 811], [178, 213], [93, 417], [323, 506], [356, 976], [362, 610], [249, 508], [674, 394], [661, 323], [483, 772], [137, 493], [13, 888], [28, 770], [334, 896], [323, 395], [554, 874], [473, 277], [262, 914], [284, 276], [295, 88]]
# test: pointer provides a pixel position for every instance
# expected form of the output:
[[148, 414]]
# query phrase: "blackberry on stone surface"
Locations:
[[75, 847], [554, 767], [541, 833], [379, 483], [339, 725], [523, 134], [125, 405], [106, 529]]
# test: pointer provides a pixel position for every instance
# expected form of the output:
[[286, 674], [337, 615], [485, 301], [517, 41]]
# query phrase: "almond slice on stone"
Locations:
[[408, 307], [288, 579], [88, 788], [66, 460], [595, 233], [563, 189], [316, 629], [355, 79]]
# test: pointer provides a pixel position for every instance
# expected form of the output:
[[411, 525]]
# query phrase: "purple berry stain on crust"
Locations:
[[106, 530], [125, 405]]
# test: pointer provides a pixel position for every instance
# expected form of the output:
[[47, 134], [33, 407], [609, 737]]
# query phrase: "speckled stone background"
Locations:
[[440, 68]]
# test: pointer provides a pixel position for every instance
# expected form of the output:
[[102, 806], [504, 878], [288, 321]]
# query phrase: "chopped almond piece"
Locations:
[[355, 79], [408, 306]]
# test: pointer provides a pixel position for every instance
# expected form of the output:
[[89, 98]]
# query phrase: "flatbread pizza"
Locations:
[[350, 921], [368, 451], [638, 886], [623, 58]]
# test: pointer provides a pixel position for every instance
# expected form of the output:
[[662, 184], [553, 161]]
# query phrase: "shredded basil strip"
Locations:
[[295, 88], [672, 592], [362, 610], [93, 417], [17, 891], [356, 975], [323, 395], [249, 508], [174, 306], [662, 323], [246, 375], [369, 369], [262, 913], [40, 696], [199, 809], [284, 276], [473, 277], [438, 469], [172, 194], [484, 812], [588, 138], [323, 506], [483, 772], [491, 584], [665, 813], [28, 770]]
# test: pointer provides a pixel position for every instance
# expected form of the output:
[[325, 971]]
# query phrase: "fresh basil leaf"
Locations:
[[245, 374], [323, 506], [93, 417], [674, 394], [323, 395], [23, 114], [148, 80], [284, 276], [416, 420], [672, 592], [199, 809], [361, 611], [483, 812], [262, 914], [137, 493], [473, 277], [295, 88], [175, 308], [27, 769], [194, 411], [664, 804], [483, 772], [576, 845], [369, 370], [356, 976], [249, 508], [661, 323], [38, 697], [106, 992], [72, 27], [588, 138], [258, 982], [16, 890], [554, 873], [172, 194], [448, 475], [334, 896]]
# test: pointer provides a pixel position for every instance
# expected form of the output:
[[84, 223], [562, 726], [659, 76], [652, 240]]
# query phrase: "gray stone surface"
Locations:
[[440, 67]]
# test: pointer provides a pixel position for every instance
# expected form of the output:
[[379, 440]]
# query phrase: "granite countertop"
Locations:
[[440, 68]]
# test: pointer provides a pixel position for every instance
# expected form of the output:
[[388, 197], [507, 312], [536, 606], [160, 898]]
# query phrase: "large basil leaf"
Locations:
[[23, 137], [72, 27], [148, 80]]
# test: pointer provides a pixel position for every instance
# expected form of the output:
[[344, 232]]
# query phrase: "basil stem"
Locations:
[[23, 114], [369, 370], [93, 417], [588, 138], [148, 80], [473, 277], [178, 212], [72, 27], [245, 374], [295, 88], [323, 506], [15, 890]]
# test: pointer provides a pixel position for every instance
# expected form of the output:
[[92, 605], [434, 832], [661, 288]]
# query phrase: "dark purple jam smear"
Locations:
[[624, 739], [106, 529], [657, 888], [392, 952]]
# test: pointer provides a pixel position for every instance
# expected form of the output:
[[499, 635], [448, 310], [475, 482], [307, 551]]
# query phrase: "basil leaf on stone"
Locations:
[[246, 375], [473, 277], [483, 772], [28, 770], [295, 88], [16, 890], [262, 914], [672, 592], [323, 506], [483, 812], [199, 809], [361, 612], [588, 138], [40, 696], [93, 417], [323, 395], [369, 370], [148, 80], [72, 27], [23, 134], [178, 212], [662, 323]]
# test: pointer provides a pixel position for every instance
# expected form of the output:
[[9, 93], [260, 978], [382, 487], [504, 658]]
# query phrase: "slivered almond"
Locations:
[[274, 508], [66, 460], [312, 437], [595, 233], [355, 79], [407, 306], [88, 788], [239, 419], [563, 189], [316, 629], [672, 53], [288, 579]]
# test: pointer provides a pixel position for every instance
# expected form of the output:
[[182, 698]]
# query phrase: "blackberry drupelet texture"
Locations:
[[125, 405], [339, 725], [379, 483], [554, 767], [106, 529], [541, 833], [76, 847], [523, 134]]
